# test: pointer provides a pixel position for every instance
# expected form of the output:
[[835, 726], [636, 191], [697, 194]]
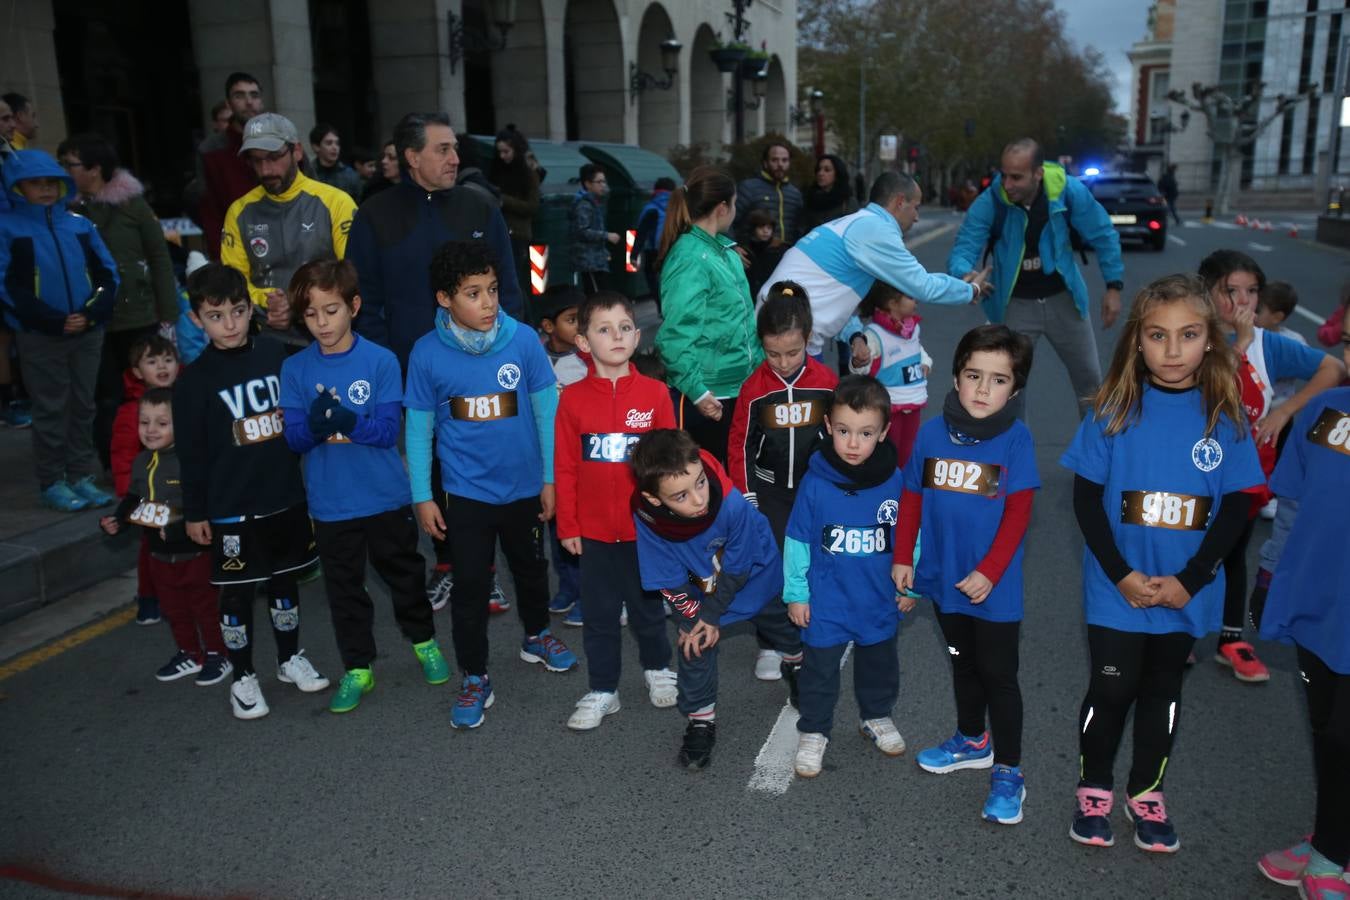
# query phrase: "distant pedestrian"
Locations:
[[25, 120], [1168, 185], [590, 239], [328, 165], [829, 196], [771, 190], [519, 187], [651, 222], [226, 175]]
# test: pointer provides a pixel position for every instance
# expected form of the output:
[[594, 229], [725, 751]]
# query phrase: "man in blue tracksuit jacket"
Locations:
[[1037, 289]]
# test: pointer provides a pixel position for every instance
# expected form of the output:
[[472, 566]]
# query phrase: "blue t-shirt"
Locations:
[[1287, 358], [350, 479], [486, 438], [1163, 482], [849, 535], [1309, 599], [965, 488]]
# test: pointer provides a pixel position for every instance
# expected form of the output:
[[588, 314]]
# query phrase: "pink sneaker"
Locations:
[[1324, 887], [1153, 829], [1286, 866]]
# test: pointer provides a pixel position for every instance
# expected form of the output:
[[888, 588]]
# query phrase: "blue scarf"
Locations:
[[469, 340]]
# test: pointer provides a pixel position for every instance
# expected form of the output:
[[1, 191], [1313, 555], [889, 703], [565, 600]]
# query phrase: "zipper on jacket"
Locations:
[[61, 258], [150, 471], [792, 444]]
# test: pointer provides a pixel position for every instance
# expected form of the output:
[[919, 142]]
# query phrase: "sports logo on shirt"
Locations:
[[359, 392], [230, 545], [1207, 454], [508, 376], [638, 419], [888, 513], [259, 246]]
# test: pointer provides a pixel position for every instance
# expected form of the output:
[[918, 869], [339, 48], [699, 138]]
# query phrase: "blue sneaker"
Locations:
[[1092, 817], [1007, 790], [957, 752], [573, 617], [550, 651], [475, 696], [90, 492], [1153, 830], [561, 604], [61, 498], [17, 415]]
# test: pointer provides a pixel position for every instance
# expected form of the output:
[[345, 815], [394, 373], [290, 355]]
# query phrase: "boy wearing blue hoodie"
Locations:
[[483, 383], [57, 287]]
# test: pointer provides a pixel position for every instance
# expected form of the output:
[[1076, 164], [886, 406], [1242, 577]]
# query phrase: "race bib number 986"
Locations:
[[256, 429], [843, 540]]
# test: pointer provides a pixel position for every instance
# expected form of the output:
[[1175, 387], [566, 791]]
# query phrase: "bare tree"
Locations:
[[1234, 125]]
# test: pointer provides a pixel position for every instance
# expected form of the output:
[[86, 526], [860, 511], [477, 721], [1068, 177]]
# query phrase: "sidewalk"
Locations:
[[46, 555]]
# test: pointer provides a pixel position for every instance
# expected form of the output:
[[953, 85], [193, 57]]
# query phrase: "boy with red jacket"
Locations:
[[599, 420]]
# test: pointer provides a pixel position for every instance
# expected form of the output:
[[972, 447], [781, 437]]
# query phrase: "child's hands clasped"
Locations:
[[1138, 589], [800, 614], [975, 586], [322, 411], [701, 637], [1169, 592]]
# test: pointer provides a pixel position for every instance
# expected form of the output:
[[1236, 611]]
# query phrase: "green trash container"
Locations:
[[631, 172]]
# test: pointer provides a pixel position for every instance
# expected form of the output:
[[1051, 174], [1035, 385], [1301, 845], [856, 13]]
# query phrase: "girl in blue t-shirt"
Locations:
[[1234, 281], [969, 482], [1161, 468]]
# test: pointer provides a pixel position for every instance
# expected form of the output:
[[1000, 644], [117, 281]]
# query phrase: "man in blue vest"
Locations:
[[1025, 220]]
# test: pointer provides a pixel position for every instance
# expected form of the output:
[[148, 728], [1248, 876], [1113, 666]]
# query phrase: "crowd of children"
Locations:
[[834, 513]]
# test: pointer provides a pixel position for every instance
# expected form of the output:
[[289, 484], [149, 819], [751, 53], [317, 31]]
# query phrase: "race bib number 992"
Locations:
[[961, 476]]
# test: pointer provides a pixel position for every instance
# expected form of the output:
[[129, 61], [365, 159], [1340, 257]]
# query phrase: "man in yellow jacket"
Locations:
[[288, 220]]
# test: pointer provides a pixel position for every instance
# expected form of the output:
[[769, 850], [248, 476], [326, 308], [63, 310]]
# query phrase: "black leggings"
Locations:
[[1139, 670], [984, 674], [1329, 713], [1235, 582], [710, 434], [236, 614]]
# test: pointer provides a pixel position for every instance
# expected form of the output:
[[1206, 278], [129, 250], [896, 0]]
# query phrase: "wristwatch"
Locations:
[[1115, 285]]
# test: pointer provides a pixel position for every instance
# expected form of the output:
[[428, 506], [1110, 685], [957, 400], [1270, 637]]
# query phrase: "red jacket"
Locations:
[[776, 425], [226, 176], [597, 424], [126, 432]]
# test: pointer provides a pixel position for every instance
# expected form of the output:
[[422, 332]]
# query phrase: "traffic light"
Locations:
[[914, 154]]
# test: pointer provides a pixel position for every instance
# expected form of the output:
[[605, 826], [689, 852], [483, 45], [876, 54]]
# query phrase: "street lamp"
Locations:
[[502, 14], [639, 81], [813, 115], [759, 87]]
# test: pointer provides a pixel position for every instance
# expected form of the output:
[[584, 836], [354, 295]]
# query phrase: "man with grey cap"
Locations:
[[288, 220]]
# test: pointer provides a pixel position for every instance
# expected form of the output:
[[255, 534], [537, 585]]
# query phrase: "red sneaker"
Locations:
[[1241, 656]]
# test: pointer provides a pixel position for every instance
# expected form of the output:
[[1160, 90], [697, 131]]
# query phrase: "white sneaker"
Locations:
[[246, 698], [1268, 511], [884, 734], [592, 708], [661, 687], [769, 666], [810, 753], [298, 671], [623, 616]]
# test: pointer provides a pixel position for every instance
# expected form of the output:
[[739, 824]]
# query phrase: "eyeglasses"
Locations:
[[69, 164]]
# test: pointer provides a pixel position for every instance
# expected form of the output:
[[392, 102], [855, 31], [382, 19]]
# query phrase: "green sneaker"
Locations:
[[434, 667], [355, 685]]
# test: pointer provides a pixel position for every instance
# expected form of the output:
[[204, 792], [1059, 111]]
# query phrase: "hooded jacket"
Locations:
[[590, 238], [52, 261], [147, 292]]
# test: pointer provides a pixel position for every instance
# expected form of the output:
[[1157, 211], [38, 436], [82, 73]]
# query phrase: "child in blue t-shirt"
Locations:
[[1309, 606], [970, 483], [713, 558], [837, 572], [482, 381], [1162, 467], [342, 402]]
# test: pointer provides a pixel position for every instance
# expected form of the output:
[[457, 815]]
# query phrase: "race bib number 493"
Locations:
[[844, 540], [1331, 430], [256, 429], [151, 515]]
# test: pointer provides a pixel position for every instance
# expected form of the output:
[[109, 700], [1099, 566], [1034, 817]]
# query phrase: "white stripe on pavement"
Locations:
[[1309, 315], [1264, 248], [1176, 240], [930, 235], [775, 764]]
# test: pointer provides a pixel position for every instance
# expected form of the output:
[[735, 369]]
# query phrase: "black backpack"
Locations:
[[1000, 216]]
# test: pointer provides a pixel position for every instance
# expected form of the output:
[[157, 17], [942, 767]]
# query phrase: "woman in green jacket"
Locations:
[[707, 337], [147, 295]]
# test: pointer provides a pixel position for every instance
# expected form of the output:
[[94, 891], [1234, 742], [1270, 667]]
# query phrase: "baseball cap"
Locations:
[[270, 132]]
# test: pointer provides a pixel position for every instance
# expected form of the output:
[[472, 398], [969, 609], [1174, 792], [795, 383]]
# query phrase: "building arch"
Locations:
[[596, 80], [707, 102], [658, 110]]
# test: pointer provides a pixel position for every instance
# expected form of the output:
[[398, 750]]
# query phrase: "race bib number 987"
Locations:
[[256, 429], [843, 540], [614, 448], [793, 415], [1164, 509]]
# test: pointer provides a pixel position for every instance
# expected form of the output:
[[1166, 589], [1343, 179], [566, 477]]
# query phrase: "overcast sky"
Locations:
[[1111, 26]]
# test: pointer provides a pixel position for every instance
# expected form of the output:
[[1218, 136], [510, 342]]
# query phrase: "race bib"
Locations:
[[961, 476], [486, 408], [1164, 509], [151, 515], [912, 374], [792, 415], [256, 429], [609, 448], [338, 437], [1331, 430], [844, 540]]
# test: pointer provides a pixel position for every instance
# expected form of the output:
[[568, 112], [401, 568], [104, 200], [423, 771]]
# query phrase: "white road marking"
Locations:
[[930, 235], [1227, 226], [1176, 240], [1191, 223], [1309, 315], [775, 763], [1264, 248]]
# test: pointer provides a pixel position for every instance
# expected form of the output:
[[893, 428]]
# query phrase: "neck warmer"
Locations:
[[867, 474], [905, 327], [672, 527], [963, 428], [470, 341]]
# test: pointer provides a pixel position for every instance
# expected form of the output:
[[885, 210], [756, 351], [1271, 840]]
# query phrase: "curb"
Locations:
[[44, 565]]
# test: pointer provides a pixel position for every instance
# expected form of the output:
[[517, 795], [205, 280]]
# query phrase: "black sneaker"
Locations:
[[790, 673], [699, 738], [215, 670], [147, 611], [182, 665]]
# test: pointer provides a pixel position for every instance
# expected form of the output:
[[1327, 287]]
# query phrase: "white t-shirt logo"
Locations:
[[359, 392], [1207, 454], [639, 419], [508, 376]]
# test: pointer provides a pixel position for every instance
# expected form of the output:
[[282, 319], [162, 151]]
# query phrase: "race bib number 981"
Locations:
[[1331, 430], [614, 448], [961, 476], [1163, 509], [256, 429], [843, 540]]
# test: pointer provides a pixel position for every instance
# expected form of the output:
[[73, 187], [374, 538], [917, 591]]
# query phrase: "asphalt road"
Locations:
[[110, 778]]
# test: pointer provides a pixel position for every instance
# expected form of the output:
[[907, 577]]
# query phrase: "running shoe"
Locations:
[[86, 490], [1153, 830], [1007, 790], [1092, 817], [497, 602], [355, 684], [810, 754], [147, 611], [215, 670], [181, 665], [62, 498], [573, 618], [1324, 887], [246, 698], [592, 709], [561, 604], [696, 751], [1286, 866], [17, 415], [957, 752], [661, 687], [1241, 657], [475, 696], [545, 648], [768, 665], [438, 587], [298, 671], [884, 734], [434, 667]]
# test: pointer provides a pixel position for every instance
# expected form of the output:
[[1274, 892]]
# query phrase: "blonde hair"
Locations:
[[1118, 399]]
